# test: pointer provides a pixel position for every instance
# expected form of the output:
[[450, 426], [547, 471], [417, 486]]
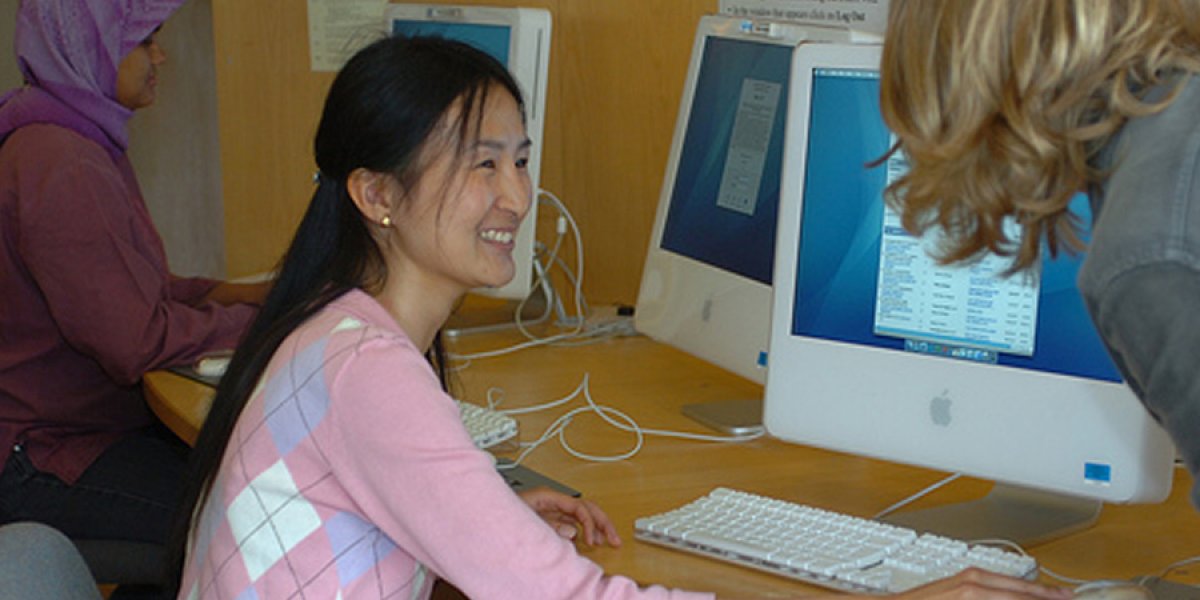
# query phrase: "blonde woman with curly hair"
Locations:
[[1006, 109]]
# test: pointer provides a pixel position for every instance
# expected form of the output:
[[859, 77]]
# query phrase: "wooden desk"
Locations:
[[650, 382]]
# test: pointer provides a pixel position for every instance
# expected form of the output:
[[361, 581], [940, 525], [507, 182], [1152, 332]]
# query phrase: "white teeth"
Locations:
[[493, 235]]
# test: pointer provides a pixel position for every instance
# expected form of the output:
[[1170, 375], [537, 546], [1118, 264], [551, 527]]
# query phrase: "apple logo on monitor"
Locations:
[[939, 409]]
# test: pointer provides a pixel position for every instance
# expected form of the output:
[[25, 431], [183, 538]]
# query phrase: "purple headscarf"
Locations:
[[68, 52]]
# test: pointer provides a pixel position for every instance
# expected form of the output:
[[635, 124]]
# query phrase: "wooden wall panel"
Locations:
[[175, 150], [269, 102], [616, 71], [625, 65]]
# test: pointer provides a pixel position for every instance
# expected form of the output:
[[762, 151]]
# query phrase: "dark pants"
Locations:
[[129, 493]]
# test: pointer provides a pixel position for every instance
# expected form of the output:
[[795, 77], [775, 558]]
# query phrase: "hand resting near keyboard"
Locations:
[[569, 515], [980, 584], [972, 584]]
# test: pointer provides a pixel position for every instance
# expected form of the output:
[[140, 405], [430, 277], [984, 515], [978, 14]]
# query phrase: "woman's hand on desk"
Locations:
[[567, 515], [972, 584], [977, 584]]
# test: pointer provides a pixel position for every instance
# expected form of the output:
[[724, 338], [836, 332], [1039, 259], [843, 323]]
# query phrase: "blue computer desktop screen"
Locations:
[[725, 197], [492, 39], [850, 289]]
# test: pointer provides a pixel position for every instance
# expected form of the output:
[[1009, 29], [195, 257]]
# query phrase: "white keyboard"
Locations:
[[486, 426], [824, 548]]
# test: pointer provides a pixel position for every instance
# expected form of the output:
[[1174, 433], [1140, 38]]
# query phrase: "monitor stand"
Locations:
[[1022, 515], [734, 417], [1168, 590]]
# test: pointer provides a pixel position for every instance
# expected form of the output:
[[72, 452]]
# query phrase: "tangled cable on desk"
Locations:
[[610, 415]]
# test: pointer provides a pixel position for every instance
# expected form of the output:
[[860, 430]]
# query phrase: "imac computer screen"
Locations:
[[706, 283], [520, 39], [956, 368]]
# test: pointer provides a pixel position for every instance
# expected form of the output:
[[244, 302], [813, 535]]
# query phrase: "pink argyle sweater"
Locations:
[[349, 475]]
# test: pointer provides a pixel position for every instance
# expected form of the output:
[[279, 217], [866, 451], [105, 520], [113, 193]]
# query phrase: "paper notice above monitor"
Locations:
[[861, 15]]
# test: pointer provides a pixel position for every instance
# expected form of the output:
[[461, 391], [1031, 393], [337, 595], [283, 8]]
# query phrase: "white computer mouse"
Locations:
[[212, 366], [1112, 590]]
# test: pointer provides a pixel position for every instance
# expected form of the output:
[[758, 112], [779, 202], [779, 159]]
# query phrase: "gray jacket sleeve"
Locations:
[[1150, 318]]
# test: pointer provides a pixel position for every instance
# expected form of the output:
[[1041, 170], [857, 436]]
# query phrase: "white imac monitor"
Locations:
[[877, 350], [706, 283], [520, 39]]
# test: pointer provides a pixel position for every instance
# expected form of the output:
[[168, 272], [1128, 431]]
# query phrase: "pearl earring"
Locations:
[[386, 221]]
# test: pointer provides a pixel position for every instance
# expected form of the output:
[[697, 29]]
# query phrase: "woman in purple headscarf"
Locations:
[[88, 303]]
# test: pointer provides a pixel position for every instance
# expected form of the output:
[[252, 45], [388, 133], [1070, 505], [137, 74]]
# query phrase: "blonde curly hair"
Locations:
[[1001, 105]]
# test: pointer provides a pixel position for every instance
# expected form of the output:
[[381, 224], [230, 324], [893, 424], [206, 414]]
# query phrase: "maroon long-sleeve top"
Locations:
[[87, 303]]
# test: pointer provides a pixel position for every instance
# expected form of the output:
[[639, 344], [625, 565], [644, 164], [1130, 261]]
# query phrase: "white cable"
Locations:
[[494, 397], [917, 496], [578, 280], [579, 326], [538, 283], [607, 413], [1062, 578], [540, 407], [603, 412], [575, 284], [1140, 580], [1177, 564], [594, 335], [634, 427], [559, 427]]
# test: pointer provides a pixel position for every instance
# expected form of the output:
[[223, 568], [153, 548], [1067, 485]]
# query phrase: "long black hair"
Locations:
[[379, 115]]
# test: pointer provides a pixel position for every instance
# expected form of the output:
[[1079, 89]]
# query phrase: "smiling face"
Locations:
[[137, 75], [455, 229]]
